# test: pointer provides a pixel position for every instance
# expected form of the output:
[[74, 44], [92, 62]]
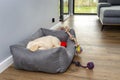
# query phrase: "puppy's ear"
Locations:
[[34, 48]]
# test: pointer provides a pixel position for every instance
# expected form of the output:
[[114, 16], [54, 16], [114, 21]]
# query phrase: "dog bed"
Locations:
[[53, 60]]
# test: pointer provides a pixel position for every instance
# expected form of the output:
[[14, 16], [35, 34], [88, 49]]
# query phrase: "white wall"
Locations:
[[21, 18]]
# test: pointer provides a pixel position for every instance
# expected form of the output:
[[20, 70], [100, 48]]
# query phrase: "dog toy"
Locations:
[[63, 43], [90, 65], [78, 49], [77, 46]]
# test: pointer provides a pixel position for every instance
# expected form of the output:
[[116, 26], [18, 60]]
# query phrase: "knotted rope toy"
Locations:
[[77, 46], [90, 65]]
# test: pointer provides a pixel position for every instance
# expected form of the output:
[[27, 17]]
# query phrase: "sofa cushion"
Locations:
[[102, 4], [114, 2], [102, 0], [113, 11], [110, 20]]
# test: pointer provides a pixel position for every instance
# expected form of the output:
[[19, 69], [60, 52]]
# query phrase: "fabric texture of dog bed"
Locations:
[[53, 60]]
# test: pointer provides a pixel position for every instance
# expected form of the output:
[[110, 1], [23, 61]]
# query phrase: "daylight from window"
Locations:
[[65, 6], [85, 6]]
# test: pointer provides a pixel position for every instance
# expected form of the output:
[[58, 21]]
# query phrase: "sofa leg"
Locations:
[[102, 27]]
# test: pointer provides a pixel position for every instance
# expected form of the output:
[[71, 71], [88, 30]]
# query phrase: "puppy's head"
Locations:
[[34, 47]]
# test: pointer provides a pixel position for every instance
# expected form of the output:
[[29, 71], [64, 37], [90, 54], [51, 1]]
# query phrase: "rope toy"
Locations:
[[90, 65], [77, 46]]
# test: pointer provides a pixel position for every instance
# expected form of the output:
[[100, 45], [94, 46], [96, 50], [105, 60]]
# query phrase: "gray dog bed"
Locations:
[[53, 60]]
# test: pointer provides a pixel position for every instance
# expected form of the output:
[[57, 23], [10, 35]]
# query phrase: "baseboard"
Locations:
[[6, 63], [66, 17], [56, 25]]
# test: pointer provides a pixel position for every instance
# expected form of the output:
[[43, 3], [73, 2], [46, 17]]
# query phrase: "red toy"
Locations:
[[63, 43]]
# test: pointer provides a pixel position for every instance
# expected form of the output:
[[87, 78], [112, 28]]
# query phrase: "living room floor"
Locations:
[[100, 47]]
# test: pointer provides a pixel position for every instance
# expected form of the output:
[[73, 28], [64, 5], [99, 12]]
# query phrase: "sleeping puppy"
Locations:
[[43, 43]]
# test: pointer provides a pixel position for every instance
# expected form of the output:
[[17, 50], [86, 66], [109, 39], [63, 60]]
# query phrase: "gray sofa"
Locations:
[[109, 12], [53, 60]]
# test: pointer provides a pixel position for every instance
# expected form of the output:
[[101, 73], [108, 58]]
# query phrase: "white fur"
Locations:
[[42, 43]]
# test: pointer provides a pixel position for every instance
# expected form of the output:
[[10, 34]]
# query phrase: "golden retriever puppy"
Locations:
[[43, 43]]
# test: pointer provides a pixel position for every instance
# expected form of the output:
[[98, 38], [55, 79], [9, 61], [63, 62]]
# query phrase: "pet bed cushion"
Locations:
[[52, 60], [61, 34]]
